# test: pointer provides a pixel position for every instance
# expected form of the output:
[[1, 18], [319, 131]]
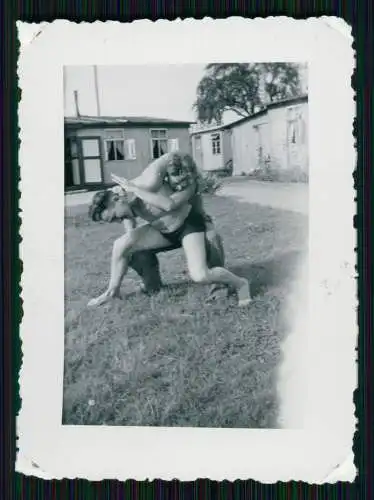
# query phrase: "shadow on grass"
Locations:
[[270, 273], [261, 275]]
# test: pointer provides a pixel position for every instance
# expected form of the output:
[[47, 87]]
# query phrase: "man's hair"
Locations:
[[185, 162], [99, 203]]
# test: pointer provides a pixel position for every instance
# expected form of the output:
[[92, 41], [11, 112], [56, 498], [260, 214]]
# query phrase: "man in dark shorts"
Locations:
[[166, 197], [145, 262]]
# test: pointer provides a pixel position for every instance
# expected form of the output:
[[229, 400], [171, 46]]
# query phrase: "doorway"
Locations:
[[91, 161], [73, 177], [198, 152], [260, 144], [83, 163]]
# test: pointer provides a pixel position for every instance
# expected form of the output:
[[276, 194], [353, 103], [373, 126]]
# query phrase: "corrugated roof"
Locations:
[[288, 101], [117, 120], [271, 105]]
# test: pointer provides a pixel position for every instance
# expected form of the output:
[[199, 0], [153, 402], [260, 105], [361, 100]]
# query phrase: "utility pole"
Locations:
[[97, 91], [76, 103], [64, 87]]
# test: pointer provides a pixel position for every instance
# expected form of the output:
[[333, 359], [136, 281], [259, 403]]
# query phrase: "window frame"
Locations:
[[69, 157], [152, 139], [122, 139], [82, 158], [216, 141], [296, 120]]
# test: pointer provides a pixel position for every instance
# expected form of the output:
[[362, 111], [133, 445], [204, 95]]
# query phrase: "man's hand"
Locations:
[[117, 190], [124, 183]]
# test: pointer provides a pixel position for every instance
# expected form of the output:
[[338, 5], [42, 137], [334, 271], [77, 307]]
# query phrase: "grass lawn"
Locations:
[[170, 359]]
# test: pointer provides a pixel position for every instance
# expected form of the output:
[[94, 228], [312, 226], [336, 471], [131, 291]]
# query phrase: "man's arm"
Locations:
[[181, 197], [165, 203], [129, 225], [158, 200], [153, 175]]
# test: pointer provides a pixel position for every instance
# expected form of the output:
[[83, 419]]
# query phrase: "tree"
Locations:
[[243, 87]]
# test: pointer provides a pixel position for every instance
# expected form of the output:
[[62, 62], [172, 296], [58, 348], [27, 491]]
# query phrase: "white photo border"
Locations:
[[328, 328]]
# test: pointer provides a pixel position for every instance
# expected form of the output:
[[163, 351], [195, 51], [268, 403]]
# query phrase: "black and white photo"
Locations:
[[187, 247], [202, 347]]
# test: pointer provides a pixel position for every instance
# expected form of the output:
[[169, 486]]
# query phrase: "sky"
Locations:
[[161, 91], [157, 91]]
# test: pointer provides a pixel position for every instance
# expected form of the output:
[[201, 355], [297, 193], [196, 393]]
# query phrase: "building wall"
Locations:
[[202, 150], [278, 138], [245, 144], [289, 140], [142, 137]]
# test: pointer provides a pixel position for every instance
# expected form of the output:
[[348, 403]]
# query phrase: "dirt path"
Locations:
[[293, 197], [284, 196]]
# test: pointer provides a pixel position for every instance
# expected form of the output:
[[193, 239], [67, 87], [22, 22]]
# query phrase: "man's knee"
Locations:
[[215, 250], [199, 275]]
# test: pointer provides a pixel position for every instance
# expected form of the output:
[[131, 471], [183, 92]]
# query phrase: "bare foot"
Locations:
[[103, 299], [244, 294]]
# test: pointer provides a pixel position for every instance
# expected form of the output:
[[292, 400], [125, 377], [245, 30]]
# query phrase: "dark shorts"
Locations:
[[194, 223]]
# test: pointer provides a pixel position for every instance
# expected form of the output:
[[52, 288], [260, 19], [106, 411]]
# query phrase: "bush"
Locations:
[[209, 183], [269, 172]]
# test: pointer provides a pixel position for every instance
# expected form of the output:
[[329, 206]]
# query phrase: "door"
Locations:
[[91, 161], [198, 152], [295, 137], [73, 174], [260, 145], [216, 156]]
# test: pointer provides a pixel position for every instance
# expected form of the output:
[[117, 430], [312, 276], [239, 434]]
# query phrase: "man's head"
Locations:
[[110, 205], [181, 171]]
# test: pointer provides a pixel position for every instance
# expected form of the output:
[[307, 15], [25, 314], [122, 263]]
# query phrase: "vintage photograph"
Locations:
[[186, 220], [187, 250]]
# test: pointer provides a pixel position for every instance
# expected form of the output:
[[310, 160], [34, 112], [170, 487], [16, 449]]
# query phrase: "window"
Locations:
[[117, 147], [91, 160], [293, 112], [159, 142], [216, 144], [296, 125], [173, 145], [114, 144], [296, 131], [90, 148]]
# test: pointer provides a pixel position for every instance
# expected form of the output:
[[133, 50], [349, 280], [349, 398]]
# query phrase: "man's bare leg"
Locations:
[[142, 238]]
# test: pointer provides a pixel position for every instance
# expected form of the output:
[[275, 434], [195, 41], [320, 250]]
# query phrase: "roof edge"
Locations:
[[264, 110], [116, 120]]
